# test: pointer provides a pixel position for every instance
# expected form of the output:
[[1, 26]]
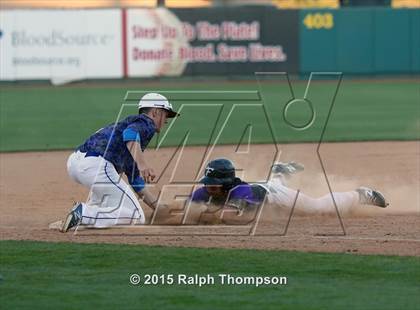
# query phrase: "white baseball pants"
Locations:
[[281, 195], [111, 200]]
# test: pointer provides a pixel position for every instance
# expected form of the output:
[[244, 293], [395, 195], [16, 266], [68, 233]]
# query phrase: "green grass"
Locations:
[[43, 118], [40, 275]]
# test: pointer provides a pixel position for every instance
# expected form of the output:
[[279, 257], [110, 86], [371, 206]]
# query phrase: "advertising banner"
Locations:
[[60, 44], [209, 41]]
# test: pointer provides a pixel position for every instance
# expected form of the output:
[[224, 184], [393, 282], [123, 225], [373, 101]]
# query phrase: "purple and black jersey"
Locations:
[[110, 143], [251, 194]]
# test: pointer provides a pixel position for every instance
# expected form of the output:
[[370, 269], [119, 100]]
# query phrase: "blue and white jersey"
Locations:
[[110, 143]]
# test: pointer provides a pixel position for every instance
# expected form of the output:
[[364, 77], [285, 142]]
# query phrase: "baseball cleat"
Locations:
[[74, 218], [287, 168], [368, 196]]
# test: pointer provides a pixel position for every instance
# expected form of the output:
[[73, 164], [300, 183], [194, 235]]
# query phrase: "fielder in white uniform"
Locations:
[[115, 149]]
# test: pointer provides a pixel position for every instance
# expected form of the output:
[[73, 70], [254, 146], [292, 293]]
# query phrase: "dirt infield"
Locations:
[[35, 191]]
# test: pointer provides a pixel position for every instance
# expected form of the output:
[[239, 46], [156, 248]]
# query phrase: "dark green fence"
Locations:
[[360, 41]]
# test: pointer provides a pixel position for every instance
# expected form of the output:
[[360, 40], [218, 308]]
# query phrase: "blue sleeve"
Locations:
[[200, 195], [129, 134], [243, 192]]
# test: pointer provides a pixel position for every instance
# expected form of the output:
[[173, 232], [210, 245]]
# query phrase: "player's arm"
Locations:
[[131, 138], [135, 150], [139, 186], [239, 204], [239, 197]]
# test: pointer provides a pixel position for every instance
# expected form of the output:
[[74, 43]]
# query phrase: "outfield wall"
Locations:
[[360, 41], [116, 43]]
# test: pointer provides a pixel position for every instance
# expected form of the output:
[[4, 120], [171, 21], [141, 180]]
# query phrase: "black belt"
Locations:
[[92, 154]]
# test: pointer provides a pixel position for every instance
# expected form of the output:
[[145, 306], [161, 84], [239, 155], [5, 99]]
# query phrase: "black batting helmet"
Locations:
[[220, 171]]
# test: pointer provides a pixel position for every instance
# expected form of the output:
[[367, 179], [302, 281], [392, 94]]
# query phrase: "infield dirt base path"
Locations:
[[35, 191]]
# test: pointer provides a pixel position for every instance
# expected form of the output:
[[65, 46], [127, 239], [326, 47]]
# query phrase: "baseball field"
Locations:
[[363, 133]]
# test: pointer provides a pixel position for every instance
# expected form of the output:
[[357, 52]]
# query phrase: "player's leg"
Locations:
[[111, 201], [283, 196], [280, 194]]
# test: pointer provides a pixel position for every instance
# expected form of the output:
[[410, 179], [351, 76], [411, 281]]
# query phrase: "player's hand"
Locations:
[[148, 174]]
